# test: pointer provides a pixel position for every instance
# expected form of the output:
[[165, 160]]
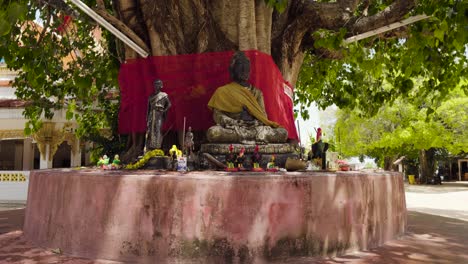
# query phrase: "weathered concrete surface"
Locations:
[[153, 216]]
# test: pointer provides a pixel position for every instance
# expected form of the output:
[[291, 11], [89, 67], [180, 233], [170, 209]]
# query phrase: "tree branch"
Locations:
[[64, 7], [391, 14], [46, 26], [349, 5], [331, 15], [100, 4], [122, 27], [311, 15], [61, 6], [280, 21]]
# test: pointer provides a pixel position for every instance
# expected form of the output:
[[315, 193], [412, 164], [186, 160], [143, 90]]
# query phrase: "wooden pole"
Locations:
[[101, 21], [183, 138], [386, 28]]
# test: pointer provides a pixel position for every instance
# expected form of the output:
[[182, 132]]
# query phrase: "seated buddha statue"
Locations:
[[239, 110]]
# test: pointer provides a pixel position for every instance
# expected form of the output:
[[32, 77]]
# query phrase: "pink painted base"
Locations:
[[149, 216]]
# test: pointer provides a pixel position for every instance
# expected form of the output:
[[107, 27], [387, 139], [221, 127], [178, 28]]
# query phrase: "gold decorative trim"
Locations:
[[5, 70], [71, 140], [48, 135], [12, 134]]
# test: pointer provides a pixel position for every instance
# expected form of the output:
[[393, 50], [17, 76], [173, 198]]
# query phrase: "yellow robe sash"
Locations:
[[231, 97]]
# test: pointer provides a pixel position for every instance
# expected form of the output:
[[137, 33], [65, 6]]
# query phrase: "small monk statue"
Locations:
[[239, 110], [188, 142], [158, 104]]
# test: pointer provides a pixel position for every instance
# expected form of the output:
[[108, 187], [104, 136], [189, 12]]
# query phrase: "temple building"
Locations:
[[53, 146]]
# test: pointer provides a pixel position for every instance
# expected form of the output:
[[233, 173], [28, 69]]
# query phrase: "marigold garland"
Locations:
[[148, 155]]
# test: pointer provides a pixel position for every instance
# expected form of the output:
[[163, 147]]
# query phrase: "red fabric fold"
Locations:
[[190, 80]]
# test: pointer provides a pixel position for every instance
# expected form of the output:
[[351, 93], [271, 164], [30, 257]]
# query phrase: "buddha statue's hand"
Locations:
[[252, 123], [242, 123], [233, 124]]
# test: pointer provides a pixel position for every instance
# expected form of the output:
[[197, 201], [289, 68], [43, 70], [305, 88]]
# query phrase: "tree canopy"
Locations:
[[58, 68], [367, 74], [405, 128], [360, 76]]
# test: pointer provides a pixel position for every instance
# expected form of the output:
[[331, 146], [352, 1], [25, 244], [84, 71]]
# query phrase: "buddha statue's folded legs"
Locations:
[[266, 134], [252, 135], [219, 134]]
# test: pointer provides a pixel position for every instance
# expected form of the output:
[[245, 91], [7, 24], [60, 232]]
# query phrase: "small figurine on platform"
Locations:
[[100, 162], [256, 159], [319, 151], [115, 163], [103, 162], [188, 142], [106, 160], [271, 166], [174, 152], [230, 159], [240, 160]]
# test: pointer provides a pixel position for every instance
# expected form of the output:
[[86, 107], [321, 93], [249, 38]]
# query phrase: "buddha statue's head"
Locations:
[[239, 69]]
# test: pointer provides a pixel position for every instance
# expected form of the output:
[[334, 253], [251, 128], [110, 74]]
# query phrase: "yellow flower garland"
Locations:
[[148, 155]]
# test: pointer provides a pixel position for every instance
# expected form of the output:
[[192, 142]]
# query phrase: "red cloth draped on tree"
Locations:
[[190, 80]]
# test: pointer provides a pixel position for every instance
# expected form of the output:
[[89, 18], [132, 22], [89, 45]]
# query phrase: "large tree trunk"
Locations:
[[388, 163], [168, 27], [427, 165]]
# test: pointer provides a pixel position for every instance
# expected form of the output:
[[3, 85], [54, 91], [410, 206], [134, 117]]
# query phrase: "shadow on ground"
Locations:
[[430, 239]]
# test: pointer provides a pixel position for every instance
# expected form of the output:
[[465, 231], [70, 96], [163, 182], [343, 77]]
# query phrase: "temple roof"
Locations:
[[13, 103]]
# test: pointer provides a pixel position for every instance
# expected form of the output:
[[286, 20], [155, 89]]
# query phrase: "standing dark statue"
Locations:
[[319, 151], [158, 104], [239, 110]]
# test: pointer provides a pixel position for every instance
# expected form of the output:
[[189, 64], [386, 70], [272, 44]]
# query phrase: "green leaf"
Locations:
[[69, 115], [439, 34], [27, 131], [5, 27], [278, 5], [430, 111], [16, 11], [83, 82]]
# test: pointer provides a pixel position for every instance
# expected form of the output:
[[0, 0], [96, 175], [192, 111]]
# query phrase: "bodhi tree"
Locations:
[[292, 31]]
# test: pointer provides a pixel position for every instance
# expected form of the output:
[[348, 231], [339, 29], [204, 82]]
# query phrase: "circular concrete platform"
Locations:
[[149, 216]]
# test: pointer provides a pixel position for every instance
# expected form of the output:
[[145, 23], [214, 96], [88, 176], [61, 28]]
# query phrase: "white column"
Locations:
[[28, 154], [46, 160], [75, 156], [18, 156]]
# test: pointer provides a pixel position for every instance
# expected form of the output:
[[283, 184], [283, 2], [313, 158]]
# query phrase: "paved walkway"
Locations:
[[437, 229], [437, 233]]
